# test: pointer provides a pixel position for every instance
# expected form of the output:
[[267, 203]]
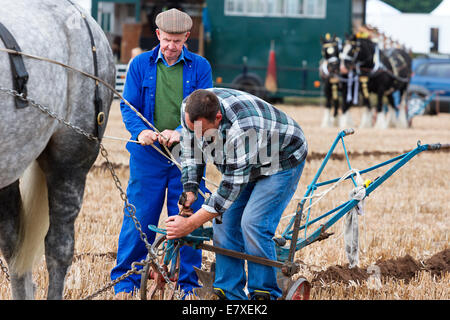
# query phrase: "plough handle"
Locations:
[[438, 146], [348, 131]]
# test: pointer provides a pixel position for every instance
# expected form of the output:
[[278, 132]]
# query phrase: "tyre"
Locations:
[[250, 83]]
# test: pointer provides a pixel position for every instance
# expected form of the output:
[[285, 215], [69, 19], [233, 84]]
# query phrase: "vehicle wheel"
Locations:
[[299, 290]]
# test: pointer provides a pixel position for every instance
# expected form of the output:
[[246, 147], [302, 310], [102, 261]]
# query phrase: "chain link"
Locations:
[[129, 209], [5, 270], [108, 286]]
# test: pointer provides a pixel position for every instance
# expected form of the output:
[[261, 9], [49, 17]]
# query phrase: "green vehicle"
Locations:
[[240, 35]]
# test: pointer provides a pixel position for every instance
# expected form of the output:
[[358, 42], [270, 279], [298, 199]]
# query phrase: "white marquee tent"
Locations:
[[443, 9], [377, 7], [411, 29]]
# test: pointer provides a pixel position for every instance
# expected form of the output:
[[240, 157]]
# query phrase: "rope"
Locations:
[[324, 193], [162, 153], [170, 157], [92, 77]]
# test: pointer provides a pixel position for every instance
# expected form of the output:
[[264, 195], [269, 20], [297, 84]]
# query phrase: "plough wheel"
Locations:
[[299, 290], [157, 289]]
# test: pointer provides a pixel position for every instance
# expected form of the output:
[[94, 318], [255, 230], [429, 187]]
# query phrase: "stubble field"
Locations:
[[403, 232]]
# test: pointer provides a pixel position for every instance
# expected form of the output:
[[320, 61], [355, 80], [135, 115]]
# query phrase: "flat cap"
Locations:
[[174, 21]]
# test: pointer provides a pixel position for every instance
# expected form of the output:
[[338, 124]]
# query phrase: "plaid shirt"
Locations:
[[254, 139]]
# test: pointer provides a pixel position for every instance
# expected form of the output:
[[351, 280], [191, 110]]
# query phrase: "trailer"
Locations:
[[270, 48]]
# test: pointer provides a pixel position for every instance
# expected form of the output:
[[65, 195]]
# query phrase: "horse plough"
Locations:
[[162, 263], [294, 237]]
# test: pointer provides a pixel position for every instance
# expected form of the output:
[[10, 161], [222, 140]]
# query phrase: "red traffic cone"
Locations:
[[271, 76]]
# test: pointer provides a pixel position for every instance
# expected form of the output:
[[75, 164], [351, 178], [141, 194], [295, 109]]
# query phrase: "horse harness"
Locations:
[[20, 75], [380, 67], [98, 103], [331, 48], [18, 70]]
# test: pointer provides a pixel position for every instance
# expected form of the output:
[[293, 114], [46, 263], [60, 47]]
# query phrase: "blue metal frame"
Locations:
[[342, 209], [286, 253]]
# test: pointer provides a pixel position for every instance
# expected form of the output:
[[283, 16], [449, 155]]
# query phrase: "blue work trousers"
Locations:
[[248, 226], [151, 177]]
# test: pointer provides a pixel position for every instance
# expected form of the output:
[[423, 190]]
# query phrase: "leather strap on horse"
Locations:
[[18, 70], [98, 103]]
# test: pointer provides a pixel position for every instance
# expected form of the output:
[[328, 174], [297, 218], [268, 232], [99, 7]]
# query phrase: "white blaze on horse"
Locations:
[[335, 84], [44, 163]]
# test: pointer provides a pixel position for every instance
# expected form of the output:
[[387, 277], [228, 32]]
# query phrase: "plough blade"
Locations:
[[206, 292]]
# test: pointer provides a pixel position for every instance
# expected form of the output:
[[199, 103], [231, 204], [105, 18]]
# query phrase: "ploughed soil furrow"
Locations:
[[403, 268]]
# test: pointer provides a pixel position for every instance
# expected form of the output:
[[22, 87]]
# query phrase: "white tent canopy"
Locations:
[[377, 11], [443, 9], [377, 7], [411, 29]]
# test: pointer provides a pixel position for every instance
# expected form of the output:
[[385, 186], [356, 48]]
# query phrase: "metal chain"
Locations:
[[133, 270], [4, 270], [129, 209]]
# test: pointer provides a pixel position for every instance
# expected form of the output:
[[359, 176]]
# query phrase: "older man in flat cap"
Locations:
[[157, 81]]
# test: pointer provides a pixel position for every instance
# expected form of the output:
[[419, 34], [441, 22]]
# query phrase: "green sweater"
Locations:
[[169, 95]]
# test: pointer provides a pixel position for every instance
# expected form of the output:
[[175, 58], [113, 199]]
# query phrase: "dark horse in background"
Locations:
[[381, 72], [329, 73], [334, 83]]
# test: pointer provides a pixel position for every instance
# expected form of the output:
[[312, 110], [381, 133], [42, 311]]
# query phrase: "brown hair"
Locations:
[[202, 104]]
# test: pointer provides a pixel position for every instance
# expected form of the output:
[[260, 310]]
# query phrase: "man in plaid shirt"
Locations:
[[260, 152]]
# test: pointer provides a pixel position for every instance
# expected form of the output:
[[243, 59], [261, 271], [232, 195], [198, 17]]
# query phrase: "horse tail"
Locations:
[[34, 219]]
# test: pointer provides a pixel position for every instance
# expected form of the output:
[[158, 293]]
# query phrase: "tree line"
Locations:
[[414, 6]]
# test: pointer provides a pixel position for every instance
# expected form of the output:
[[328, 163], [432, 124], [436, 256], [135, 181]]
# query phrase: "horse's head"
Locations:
[[358, 50], [330, 52]]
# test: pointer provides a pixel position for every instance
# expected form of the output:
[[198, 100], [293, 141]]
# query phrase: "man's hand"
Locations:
[[147, 137], [178, 226], [190, 199], [172, 136], [185, 202]]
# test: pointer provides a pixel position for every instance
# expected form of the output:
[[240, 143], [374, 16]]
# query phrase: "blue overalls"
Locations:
[[151, 174]]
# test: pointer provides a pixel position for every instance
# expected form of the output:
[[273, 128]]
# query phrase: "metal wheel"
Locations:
[[153, 284], [299, 290]]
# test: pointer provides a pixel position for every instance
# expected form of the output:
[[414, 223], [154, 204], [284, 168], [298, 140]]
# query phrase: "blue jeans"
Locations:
[[248, 226], [150, 178]]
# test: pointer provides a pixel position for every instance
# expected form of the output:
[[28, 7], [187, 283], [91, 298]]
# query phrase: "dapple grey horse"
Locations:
[[43, 163]]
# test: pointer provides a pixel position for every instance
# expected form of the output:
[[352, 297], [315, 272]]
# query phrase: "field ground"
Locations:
[[404, 230]]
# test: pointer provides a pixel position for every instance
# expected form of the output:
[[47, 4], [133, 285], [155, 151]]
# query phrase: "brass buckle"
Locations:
[[101, 118]]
